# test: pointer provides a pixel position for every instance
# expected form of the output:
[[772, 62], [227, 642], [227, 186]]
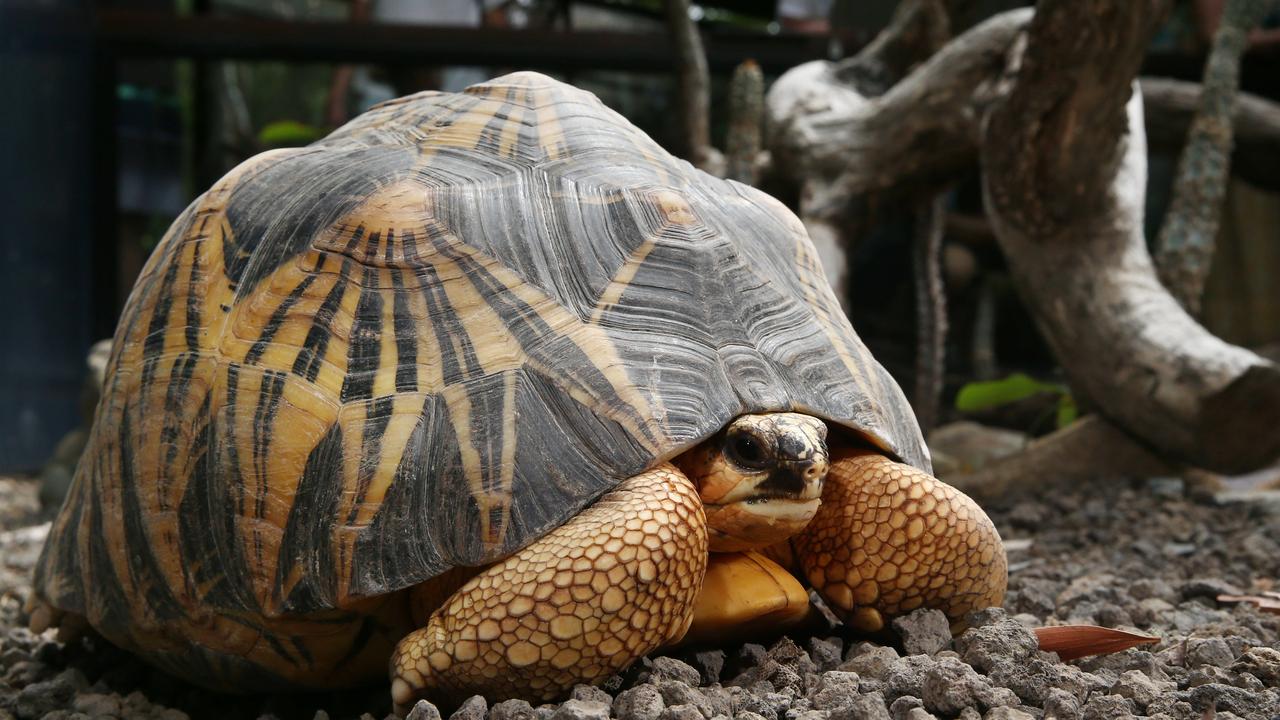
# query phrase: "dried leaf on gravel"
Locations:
[[1266, 602], [1076, 641]]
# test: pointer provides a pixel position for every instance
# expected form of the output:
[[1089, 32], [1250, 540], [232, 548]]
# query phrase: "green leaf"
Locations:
[[978, 396], [1067, 410], [288, 133]]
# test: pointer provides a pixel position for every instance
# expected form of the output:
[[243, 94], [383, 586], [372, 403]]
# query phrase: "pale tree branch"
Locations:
[[1064, 160], [1172, 104], [1047, 102], [746, 114], [931, 308], [1185, 245], [840, 144]]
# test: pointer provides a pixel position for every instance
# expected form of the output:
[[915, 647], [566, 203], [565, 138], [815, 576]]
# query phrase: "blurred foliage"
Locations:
[[987, 395], [288, 133]]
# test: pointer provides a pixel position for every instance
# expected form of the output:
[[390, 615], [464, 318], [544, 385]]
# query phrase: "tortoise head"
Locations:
[[760, 479]]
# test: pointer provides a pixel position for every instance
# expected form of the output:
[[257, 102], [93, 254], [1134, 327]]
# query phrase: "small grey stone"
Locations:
[[680, 712], [1207, 588], [779, 702], [1007, 713], [1032, 680], [785, 677], [675, 693], [1209, 651], [423, 710], [320, 715], [748, 715], [947, 689], [875, 662], [1130, 659], [786, 653], [749, 703], [1107, 707], [750, 654], [868, 706], [907, 676], [1061, 705], [1139, 688], [709, 664], [515, 709], [38, 699], [1147, 588], [136, 702], [1223, 697], [23, 673], [916, 713], [668, 668], [98, 705], [546, 710], [591, 692], [586, 710], [719, 698], [808, 715], [992, 637], [824, 653], [899, 708], [1208, 675], [1246, 681], [642, 702], [951, 685], [835, 689], [798, 707], [923, 632], [1261, 662], [969, 714], [75, 679], [752, 675], [473, 708]]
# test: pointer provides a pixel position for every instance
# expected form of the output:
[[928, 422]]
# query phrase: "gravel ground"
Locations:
[[1135, 555]]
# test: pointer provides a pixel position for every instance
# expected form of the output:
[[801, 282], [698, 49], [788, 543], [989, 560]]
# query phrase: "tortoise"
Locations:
[[479, 386]]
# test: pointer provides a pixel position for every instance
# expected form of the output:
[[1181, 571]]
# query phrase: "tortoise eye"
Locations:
[[746, 451]]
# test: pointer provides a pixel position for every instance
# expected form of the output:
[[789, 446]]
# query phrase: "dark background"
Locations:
[[114, 115]]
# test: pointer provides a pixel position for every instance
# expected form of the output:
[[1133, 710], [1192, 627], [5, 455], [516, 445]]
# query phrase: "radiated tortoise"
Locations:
[[473, 387]]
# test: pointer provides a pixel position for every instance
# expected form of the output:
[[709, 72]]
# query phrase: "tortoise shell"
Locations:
[[426, 340]]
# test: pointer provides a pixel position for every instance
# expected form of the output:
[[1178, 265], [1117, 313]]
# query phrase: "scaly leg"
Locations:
[[584, 601], [889, 538]]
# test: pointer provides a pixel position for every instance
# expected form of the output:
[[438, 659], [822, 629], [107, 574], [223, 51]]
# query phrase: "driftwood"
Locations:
[[1187, 234], [1171, 104], [695, 88], [931, 309], [746, 112], [1045, 104]]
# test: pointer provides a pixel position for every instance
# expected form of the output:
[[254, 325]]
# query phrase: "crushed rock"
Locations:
[[1115, 553]]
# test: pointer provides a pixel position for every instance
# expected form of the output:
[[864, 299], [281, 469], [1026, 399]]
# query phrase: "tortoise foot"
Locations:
[[41, 616], [890, 538], [612, 584]]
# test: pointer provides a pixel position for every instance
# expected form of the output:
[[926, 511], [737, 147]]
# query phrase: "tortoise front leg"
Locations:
[[610, 585], [889, 538]]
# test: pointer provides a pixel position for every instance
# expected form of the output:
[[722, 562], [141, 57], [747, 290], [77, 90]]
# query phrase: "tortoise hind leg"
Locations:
[[41, 616], [584, 601]]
